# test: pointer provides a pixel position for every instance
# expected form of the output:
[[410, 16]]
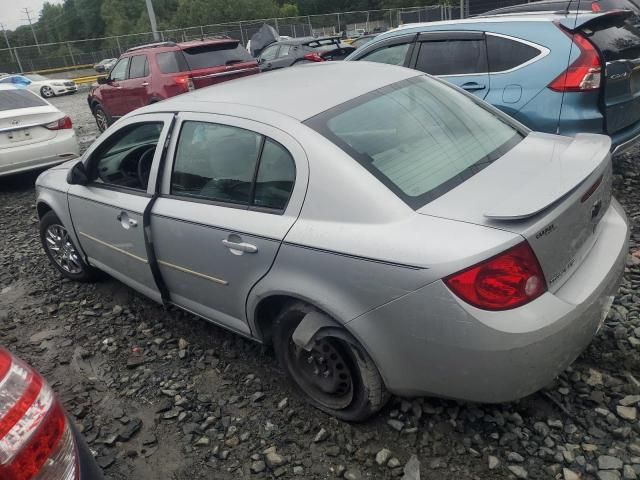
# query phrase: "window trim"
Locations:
[[389, 42], [221, 203]]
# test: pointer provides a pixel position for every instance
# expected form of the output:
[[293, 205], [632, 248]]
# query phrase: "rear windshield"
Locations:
[[206, 56], [420, 137], [14, 99], [616, 36]]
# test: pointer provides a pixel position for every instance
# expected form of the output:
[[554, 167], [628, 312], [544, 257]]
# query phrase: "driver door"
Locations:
[[113, 99], [107, 213]]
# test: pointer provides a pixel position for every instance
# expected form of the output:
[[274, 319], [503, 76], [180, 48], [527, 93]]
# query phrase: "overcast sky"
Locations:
[[12, 13]]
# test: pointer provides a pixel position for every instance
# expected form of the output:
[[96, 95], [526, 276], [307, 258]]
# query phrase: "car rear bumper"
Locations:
[[39, 155], [430, 342]]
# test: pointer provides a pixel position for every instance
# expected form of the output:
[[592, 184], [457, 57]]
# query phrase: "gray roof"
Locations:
[[300, 92]]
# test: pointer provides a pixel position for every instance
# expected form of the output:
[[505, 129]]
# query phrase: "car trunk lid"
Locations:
[[616, 36], [212, 63], [551, 190], [26, 126]]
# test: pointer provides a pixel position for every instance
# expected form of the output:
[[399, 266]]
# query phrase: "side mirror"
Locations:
[[102, 80], [78, 175], [260, 61]]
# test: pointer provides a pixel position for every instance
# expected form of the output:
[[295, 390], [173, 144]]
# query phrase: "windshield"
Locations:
[[420, 137]]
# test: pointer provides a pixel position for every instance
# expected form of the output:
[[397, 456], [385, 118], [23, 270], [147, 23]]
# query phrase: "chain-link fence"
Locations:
[[80, 53]]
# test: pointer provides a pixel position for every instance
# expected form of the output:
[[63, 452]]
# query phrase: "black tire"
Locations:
[[103, 120], [47, 92], [367, 392], [76, 269]]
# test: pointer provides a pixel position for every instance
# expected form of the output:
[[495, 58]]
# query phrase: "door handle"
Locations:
[[472, 86], [240, 246], [125, 221], [145, 84]]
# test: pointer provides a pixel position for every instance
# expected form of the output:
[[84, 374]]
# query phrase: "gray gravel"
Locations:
[[161, 394]]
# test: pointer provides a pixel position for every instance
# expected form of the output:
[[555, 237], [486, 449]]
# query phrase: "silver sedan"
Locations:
[[385, 231]]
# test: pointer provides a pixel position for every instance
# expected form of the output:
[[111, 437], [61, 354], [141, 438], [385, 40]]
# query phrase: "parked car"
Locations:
[[105, 65], [302, 50], [555, 72], [566, 5], [360, 41], [43, 86], [154, 72], [357, 33], [382, 226], [37, 439], [33, 133]]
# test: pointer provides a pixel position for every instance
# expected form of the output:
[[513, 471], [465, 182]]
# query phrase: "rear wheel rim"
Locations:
[[62, 250], [47, 92], [101, 120], [324, 373]]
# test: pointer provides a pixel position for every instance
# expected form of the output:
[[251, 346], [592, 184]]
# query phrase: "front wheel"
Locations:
[[102, 119], [61, 251], [47, 92], [337, 376]]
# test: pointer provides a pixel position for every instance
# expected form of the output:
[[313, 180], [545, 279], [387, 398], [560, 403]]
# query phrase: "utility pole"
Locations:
[[6, 38], [152, 19], [27, 12]]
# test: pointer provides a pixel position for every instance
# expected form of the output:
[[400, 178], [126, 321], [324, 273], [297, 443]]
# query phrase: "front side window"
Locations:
[[124, 159], [392, 55], [452, 57], [119, 71], [420, 137], [228, 164], [284, 50]]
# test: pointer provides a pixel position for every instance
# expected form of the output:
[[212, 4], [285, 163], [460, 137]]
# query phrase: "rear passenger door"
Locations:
[[457, 57], [229, 196], [135, 91]]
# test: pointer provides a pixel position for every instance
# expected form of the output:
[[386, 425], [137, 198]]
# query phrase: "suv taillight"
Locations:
[[185, 82], [585, 73], [63, 124], [508, 280], [35, 439], [314, 57]]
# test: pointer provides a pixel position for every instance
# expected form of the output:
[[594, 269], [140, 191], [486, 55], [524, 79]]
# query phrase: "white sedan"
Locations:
[[46, 87], [33, 133]]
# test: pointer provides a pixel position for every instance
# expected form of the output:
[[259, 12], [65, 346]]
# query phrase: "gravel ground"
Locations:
[[161, 394]]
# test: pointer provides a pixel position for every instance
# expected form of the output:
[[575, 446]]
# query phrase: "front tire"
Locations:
[[336, 376], [47, 92], [62, 253], [102, 118]]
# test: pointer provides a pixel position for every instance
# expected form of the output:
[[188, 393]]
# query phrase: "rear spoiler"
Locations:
[[583, 21]]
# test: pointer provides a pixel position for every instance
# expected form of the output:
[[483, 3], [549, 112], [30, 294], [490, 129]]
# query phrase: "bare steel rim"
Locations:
[[324, 373], [101, 120], [47, 92], [62, 250]]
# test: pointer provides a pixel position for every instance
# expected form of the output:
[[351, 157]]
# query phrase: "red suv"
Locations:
[[150, 73]]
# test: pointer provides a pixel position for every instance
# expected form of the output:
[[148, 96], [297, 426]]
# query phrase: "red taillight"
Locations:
[[63, 124], [508, 280], [585, 73], [185, 82], [314, 57], [35, 439]]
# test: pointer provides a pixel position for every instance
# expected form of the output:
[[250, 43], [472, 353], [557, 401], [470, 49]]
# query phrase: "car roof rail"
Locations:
[[152, 45]]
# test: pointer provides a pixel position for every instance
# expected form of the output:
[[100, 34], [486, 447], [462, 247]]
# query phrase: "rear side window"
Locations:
[[505, 54], [139, 67], [391, 55], [276, 175], [206, 56], [15, 99], [171, 62], [452, 57], [419, 137]]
